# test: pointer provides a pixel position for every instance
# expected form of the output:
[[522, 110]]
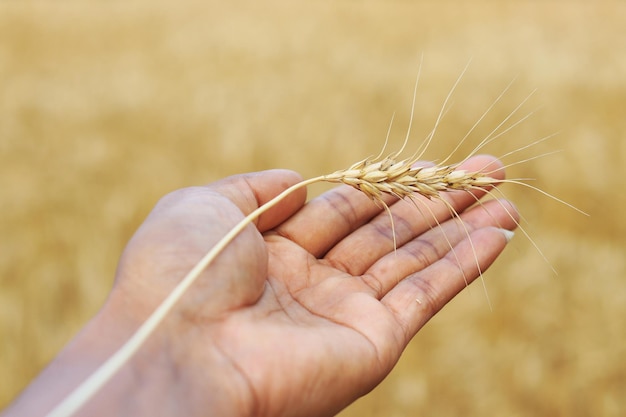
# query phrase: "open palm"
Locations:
[[303, 312]]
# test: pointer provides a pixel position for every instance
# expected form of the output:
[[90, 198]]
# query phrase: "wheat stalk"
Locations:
[[375, 177]]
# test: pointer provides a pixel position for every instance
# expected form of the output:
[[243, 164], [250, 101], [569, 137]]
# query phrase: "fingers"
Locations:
[[421, 295], [359, 250], [333, 216], [437, 244], [252, 190], [327, 219]]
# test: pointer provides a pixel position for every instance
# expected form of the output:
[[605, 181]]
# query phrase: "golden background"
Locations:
[[107, 106]]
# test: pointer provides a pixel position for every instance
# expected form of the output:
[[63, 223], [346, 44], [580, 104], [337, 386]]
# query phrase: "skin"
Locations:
[[304, 312]]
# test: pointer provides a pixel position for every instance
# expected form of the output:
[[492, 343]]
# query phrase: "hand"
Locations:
[[299, 315]]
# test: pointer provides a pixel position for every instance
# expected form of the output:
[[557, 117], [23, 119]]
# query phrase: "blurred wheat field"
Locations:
[[105, 107]]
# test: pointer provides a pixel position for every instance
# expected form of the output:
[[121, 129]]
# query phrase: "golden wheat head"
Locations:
[[403, 179]]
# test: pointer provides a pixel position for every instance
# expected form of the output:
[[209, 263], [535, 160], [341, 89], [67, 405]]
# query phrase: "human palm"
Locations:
[[303, 312]]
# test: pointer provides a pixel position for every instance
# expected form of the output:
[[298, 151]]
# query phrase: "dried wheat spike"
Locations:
[[403, 179]]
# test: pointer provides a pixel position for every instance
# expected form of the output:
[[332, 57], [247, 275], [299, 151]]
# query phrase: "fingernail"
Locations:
[[508, 234]]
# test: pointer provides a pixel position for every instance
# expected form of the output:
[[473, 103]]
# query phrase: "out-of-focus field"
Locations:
[[107, 106]]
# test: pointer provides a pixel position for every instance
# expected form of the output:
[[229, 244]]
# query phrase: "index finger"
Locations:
[[327, 219]]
